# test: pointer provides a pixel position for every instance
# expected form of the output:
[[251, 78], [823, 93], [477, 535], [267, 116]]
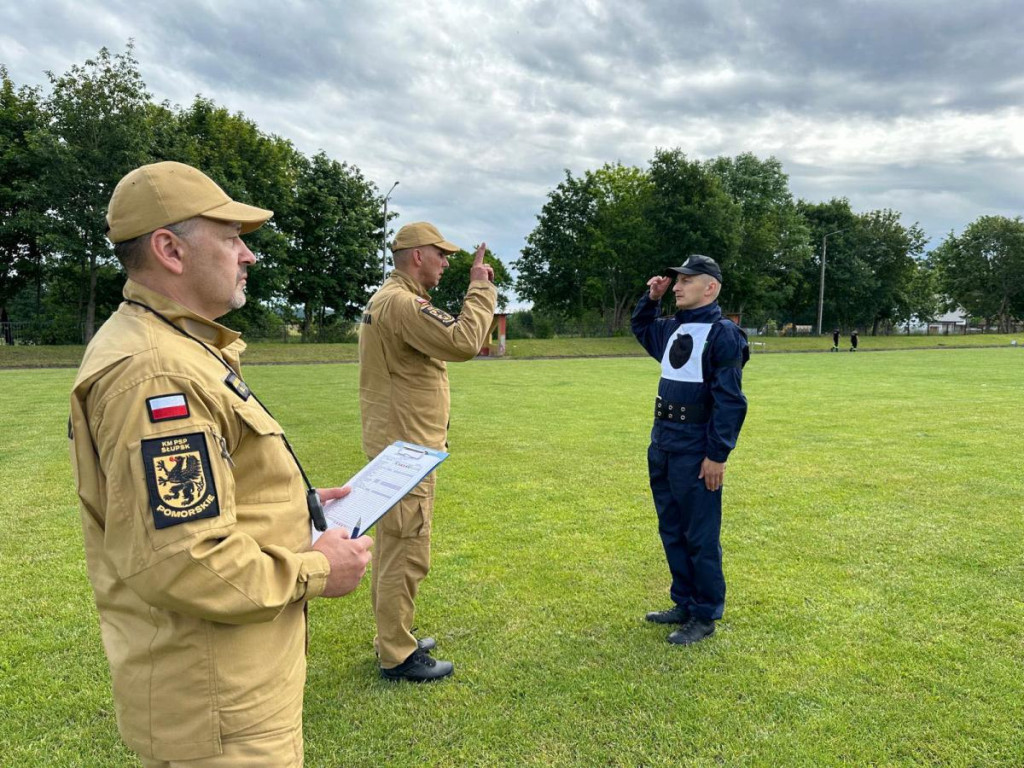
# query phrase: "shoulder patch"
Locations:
[[179, 479], [167, 407], [438, 314], [239, 387], [421, 300]]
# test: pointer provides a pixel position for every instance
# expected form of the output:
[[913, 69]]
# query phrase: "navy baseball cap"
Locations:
[[698, 265]]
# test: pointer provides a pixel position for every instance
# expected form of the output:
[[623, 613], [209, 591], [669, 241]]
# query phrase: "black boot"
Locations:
[[692, 632], [674, 615], [420, 667]]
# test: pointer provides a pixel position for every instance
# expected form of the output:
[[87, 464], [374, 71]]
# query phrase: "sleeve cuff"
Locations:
[[720, 456], [313, 573]]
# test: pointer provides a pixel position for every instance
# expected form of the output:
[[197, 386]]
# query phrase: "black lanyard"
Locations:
[[233, 380]]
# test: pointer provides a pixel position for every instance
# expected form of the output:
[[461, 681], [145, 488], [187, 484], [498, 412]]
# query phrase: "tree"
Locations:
[[333, 229], [982, 270], [252, 167], [98, 125], [593, 248], [552, 267], [452, 289], [923, 292], [22, 207], [622, 250], [833, 228], [774, 244], [891, 252], [691, 212]]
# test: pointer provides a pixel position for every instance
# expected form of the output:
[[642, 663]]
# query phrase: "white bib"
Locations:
[[693, 370]]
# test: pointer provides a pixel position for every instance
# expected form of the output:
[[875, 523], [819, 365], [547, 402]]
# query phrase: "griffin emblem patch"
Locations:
[[178, 476], [438, 314]]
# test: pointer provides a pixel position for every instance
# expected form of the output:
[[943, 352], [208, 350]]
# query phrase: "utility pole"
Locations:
[[384, 238], [821, 285]]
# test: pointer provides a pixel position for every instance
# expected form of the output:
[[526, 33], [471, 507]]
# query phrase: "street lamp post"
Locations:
[[821, 285], [384, 238]]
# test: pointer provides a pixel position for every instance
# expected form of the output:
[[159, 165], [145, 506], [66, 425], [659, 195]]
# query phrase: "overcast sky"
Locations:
[[477, 108]]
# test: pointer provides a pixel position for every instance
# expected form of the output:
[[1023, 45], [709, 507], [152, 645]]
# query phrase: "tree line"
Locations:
[[599, 236], [62, 153], [602, 234]]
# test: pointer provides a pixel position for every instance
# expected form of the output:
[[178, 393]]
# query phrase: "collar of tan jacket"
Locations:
[[213, 333], [408, 281]]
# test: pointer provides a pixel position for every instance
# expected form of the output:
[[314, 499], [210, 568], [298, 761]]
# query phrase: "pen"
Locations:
[[355, 531]]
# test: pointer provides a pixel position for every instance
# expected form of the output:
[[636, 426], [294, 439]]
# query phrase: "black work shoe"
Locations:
[[420, 667], [425, 644], [674, 615], [692, 632]]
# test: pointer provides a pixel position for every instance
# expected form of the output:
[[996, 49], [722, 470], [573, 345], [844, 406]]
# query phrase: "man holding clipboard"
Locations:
[[404, 342]]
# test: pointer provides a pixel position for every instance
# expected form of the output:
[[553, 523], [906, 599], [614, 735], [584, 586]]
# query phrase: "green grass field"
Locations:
[[872, 542], [259, 353]]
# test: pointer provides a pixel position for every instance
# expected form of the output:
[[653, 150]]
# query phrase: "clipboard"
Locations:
[[380, 485]]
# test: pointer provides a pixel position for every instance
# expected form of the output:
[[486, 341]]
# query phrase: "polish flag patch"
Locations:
[[167, 407]]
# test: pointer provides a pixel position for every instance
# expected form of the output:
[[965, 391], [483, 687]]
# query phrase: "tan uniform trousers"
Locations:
[[401, 560], [275, 743]]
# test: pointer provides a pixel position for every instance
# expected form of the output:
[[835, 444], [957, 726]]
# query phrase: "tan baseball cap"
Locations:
[[160, 194], [421, 233]]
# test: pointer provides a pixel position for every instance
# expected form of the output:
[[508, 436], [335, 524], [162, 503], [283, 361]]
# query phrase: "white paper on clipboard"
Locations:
[[380, 485]]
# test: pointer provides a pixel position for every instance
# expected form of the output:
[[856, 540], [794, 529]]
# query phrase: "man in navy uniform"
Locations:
[[697, 418]]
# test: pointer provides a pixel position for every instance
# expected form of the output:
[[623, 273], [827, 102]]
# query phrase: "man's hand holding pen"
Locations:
[[347, 554]]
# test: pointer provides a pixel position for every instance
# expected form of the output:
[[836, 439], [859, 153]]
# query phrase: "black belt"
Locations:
[[689, 413]]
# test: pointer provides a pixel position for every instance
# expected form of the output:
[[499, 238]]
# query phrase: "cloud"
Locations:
[[478, 107]]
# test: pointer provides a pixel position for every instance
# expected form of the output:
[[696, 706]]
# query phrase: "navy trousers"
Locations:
[[690, 524]]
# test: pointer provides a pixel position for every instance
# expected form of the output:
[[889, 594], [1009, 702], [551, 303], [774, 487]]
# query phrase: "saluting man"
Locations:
[[404, 341], [697, 418], [194, 510]]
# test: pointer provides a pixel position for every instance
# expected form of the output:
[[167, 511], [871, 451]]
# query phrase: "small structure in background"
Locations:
[[948, 324], [495, 347]]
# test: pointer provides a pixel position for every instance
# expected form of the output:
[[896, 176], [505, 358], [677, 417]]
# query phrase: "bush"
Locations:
[[543, 327], [339, 332]]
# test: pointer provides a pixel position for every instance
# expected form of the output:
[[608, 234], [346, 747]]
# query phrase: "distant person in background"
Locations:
[[853, 341], [835, 339]]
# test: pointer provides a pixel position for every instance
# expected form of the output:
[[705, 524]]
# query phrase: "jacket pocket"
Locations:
[[264, 469]]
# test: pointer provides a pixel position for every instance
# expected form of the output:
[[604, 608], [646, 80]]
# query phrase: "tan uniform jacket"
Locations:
[[197, 536], [404, 342]]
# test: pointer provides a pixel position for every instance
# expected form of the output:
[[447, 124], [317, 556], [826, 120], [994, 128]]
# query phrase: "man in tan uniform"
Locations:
[[194, 511], [404, 342]]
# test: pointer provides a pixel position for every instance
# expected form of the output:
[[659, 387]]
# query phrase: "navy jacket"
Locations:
[[711, 375]]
